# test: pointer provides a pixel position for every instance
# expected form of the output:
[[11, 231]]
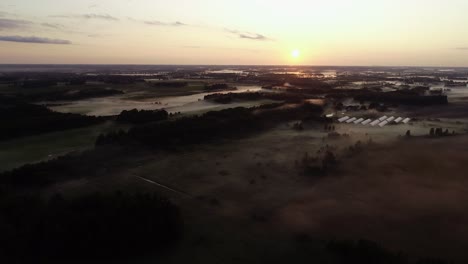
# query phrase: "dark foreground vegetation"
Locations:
[[24, 119], [294, 95], [107, 228], [175, 84], [402, 97], [229, 123], [369, 252], [218, 87], [89, 164], [67, 94], [143, 116], [210, 126], [227, 98], [91, 227]]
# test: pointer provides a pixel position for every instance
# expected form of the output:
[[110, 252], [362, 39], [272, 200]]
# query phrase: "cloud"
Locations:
[[154, 23], [177, 23], [7, 14], [220, 48], [100, 16], [33, 39], [106, 17], [13, 23], [249, 35], [159, 23], [462, 48], [254, 36], [52, 25]]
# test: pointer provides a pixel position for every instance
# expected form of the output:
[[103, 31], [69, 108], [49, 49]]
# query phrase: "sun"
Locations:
[[295, 53]]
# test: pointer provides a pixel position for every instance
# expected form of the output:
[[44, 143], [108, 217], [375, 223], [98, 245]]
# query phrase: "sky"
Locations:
[[241, 32]]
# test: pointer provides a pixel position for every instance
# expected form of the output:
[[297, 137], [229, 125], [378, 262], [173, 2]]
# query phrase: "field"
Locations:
[[189, 102], [278, 192], [254, 191], [17, 152], [186, 100]]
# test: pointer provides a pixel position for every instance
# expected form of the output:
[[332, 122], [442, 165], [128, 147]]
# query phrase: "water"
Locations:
[[114, 105]]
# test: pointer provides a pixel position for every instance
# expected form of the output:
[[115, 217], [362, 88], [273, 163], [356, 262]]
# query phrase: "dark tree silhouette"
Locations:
[[93, 227], [143, 116], [408, 133]]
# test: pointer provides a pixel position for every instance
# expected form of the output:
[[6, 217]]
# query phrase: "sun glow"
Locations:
[[295, 53]]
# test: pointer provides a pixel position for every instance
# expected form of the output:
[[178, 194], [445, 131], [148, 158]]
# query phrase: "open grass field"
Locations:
[[17, 152]]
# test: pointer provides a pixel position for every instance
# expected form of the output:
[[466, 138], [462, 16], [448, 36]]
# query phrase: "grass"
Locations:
[[17, 152]]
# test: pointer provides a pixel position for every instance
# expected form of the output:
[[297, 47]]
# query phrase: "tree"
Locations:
[[432, 132], [408, 133], [329, 160], [88, 227]]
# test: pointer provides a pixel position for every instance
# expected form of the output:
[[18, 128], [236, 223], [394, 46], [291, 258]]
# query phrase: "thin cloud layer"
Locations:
[[32, 39], [100, 16], [253, 36], [106, 17], [159, 23], [52, 25], [220, 48], [249, 35], [13, 23]]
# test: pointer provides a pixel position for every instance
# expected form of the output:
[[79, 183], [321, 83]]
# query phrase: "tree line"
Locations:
[[91, 227], [143, 116], [213, 125], [24, 119]]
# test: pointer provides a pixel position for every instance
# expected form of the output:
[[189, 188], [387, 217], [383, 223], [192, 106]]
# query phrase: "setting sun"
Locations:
[[295, 53]]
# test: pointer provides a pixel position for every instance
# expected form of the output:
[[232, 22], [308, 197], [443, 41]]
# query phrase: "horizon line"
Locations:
[[225, 65]]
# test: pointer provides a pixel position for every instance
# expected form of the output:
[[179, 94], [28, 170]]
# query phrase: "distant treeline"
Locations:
[[309, 83], [273, 79], [22, 119], [94, 227], [169, 84], [67, 94], [37, 83], [92, 163], [218, 87], [402, 97], [212, 125], [32, 80], [420, 79], [254, 96], [143, 116], [44, 83]]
